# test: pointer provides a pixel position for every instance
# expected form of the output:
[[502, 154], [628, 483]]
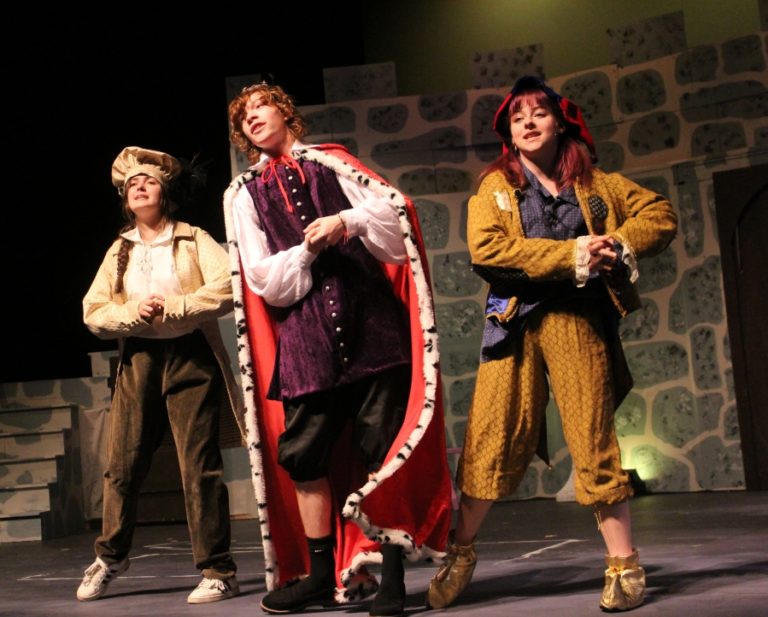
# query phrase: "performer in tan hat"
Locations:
[[160, 289], [558, 241]]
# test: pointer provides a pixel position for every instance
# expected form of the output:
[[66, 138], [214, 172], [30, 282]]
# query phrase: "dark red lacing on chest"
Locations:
[[270, 171]]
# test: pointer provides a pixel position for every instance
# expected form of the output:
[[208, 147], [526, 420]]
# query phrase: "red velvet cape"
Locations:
[[409, 501]]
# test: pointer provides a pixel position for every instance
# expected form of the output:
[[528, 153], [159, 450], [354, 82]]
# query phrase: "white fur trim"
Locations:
[[253, 438], [357, 588], [431, 357]]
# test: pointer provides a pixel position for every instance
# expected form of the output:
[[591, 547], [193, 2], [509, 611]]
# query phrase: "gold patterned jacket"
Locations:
[[641, 220], [202, 268]]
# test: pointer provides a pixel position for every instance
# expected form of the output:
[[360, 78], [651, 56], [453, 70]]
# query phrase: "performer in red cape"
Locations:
[[338, 353]]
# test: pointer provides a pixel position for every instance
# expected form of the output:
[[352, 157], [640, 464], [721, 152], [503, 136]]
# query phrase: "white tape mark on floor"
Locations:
[[538, 551]]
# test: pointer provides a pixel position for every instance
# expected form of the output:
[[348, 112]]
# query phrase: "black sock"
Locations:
[[322, 565], [316, 589]]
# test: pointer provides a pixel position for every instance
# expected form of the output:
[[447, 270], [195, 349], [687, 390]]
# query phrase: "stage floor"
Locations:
[[705, 554]]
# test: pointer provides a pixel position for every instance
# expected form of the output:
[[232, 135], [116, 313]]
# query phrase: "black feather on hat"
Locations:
[[182, 179], [189, 182]]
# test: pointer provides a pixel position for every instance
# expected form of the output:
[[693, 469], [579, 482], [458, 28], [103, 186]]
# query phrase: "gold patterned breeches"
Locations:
[[567, 343]]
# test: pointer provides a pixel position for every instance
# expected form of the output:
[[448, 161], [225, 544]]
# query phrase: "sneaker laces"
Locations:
[[214, 584], [93, 571]]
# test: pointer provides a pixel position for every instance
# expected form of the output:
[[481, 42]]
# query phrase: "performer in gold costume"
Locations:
[[557, 239]]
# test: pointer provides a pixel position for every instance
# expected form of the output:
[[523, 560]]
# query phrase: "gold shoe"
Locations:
[[624, 583], [453, 576]]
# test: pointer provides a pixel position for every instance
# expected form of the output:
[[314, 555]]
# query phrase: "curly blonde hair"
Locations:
[[271, 95]]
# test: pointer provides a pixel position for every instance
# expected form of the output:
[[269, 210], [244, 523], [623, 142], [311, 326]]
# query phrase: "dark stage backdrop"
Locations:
[[66, 118]]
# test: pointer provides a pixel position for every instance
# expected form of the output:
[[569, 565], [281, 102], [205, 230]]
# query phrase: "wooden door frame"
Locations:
[[730, 188]]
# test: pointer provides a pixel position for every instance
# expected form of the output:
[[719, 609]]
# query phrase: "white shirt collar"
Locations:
[[164, 236]]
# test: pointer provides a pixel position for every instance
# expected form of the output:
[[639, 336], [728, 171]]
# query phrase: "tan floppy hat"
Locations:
[[134, 161]]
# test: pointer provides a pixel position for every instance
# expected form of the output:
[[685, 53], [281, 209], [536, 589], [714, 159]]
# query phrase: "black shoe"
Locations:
[[389, 602], [296, 598]]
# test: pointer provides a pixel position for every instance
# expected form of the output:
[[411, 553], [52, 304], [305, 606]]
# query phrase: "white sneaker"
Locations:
[[96, 578], [213, 590]]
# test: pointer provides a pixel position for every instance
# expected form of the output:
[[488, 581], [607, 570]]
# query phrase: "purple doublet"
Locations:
[[350, 324]]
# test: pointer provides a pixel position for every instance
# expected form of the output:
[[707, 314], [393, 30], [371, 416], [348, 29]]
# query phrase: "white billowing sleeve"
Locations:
[[374, 220], [281, 279]]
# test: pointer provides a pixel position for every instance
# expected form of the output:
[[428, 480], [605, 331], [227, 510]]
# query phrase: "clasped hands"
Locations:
[[602, 254], [324, 232], [151, 307]]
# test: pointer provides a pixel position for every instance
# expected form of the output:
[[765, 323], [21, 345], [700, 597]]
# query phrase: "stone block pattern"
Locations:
[[731, 423], [678, 417], [743, 54], [494, 69], [654, 132], [657, 362], [648, 39], [717, 465], [387, 118], [641, 91], [482, 114], [642, 324], [668, 117], [368, 81], [438, 107], [593, 92], [435, 219], [689, 206], [698, 297], [706, 370], [631, 416], [697, 65], [661, 473], [444, 144], [657, 272]]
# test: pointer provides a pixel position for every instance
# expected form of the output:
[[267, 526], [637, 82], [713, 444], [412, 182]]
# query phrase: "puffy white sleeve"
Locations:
[[281, 279], [374, 220]]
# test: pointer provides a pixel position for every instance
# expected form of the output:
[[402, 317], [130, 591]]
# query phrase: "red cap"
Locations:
[[576, 127]]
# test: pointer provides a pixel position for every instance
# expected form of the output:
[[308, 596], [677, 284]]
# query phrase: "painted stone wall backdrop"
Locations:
[[92, 396], [667, 123]]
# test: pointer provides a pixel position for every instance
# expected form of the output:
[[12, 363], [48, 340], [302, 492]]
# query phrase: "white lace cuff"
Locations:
[[629, 259], [581, 273]]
